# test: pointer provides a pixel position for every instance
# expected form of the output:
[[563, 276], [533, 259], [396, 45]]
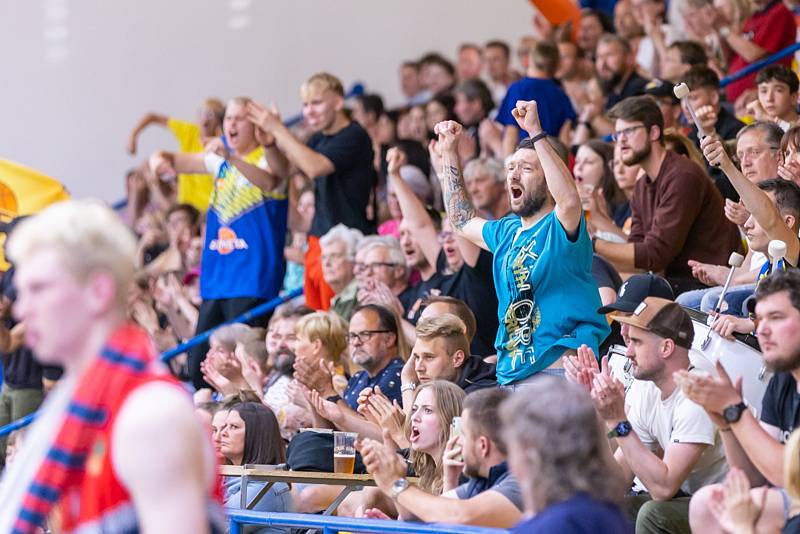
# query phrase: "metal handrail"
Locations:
[[257, 311], [332, 524], [758, 65]]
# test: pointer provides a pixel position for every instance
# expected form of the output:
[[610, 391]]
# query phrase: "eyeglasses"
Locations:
[[444, 237], [363, 336], [375, 265], [625, 132]]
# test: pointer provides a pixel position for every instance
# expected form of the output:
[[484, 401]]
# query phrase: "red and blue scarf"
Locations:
[[124, 359]]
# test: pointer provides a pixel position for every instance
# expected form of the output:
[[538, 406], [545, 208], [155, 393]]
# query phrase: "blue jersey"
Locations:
[[552, 103], [547, 298], [245, 236]]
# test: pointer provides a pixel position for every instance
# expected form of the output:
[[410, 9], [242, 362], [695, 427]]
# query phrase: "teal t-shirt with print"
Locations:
[[547, 298]]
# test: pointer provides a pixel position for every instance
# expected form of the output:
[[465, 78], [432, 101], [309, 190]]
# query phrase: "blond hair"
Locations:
[[87, 235], [449, 401], [216, 107], [321, 82], [239, 100], [446, 327], [229, 335], [326, 327], [791, 466]]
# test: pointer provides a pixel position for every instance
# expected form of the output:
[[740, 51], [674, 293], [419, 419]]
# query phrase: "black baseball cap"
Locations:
[[637, 288], [659, 88]]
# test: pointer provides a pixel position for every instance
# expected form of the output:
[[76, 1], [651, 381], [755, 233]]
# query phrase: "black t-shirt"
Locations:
[[780, 406], [604, 274], [343, 195], [475, 286], [413, 296]]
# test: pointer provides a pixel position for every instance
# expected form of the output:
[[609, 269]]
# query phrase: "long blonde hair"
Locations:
[[791, 466], [449, 399]]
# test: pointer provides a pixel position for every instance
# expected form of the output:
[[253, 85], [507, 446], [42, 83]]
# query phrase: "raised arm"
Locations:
[[559, 180], [459, 207], [144, 122], [312, 163], [414, 213], [756, 201], [258, 115]]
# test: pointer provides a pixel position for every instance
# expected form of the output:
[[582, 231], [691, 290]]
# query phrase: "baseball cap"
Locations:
[[663, 318], [636, 289], [659, 88]]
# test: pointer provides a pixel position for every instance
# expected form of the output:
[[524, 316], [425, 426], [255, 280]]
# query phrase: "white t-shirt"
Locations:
[[676, 419]]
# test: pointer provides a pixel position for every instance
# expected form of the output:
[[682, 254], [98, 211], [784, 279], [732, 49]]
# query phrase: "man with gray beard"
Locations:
[[677, 211]]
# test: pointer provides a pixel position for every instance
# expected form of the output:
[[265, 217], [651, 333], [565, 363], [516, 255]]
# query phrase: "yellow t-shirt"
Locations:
[[194, 189]]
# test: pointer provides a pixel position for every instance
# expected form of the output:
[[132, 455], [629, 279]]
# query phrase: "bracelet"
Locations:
[[726, 429], [538, 137], [408, 387], [334, 398]]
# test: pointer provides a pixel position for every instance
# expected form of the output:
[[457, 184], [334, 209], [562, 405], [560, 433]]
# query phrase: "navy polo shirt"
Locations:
[[388, 380]]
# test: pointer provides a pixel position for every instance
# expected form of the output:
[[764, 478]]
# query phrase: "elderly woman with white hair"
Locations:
[[338, 258]]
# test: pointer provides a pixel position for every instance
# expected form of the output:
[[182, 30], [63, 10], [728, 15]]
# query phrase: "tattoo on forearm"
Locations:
[[459, 207]]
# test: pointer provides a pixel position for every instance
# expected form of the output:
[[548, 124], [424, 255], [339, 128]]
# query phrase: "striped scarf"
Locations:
[[124, 358], [767, 269]]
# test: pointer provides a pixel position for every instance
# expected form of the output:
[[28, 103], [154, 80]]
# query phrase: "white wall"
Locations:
[[77, 74]]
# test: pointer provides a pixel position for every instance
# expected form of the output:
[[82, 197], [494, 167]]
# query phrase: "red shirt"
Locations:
[[101, 500], [773, 29]]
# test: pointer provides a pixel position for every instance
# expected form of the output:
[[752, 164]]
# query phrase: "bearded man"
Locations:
[[677, 212]]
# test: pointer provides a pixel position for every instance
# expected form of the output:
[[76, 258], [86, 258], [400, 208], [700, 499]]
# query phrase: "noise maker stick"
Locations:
[[681, 92], [777, 252], [735, 260]]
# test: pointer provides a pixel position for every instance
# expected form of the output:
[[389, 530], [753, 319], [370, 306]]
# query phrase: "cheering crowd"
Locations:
[[496, 250]]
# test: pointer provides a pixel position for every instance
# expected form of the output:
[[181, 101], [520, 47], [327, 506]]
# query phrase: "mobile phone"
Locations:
[[455, 427]]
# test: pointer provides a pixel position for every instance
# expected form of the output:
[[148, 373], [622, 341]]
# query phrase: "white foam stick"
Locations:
[[776, 251], [681, 92], [735, 260]]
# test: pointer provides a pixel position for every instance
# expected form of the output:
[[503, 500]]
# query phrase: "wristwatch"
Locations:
[[733, 413], [411, 386], [398, 487], [333, 398], [622, 429], [725, 31]]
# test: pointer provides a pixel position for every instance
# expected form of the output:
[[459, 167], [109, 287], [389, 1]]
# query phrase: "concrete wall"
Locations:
[[77, 74]]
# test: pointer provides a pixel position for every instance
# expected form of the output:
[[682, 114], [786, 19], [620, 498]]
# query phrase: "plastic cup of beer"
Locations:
[[344, 452], [586, 191]]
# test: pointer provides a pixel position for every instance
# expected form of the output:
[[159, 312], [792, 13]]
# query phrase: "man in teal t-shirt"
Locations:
[[547, 297]]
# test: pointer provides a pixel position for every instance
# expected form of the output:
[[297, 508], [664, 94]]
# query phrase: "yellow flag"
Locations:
[[24, 191]]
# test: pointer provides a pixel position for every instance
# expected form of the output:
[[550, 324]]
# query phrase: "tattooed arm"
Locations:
[[559, 180], [459, 207]]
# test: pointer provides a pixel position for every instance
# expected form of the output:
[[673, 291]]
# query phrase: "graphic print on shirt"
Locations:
[[233, 197], [523, 316]]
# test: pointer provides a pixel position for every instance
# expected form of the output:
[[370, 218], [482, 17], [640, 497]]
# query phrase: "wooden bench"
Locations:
[[272, 474]]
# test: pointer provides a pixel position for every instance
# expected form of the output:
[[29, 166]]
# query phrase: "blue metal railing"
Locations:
[[758, 65], [258, 311], [333, 524]]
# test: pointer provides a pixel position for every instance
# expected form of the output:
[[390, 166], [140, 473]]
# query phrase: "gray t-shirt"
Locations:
[[500, 480]]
